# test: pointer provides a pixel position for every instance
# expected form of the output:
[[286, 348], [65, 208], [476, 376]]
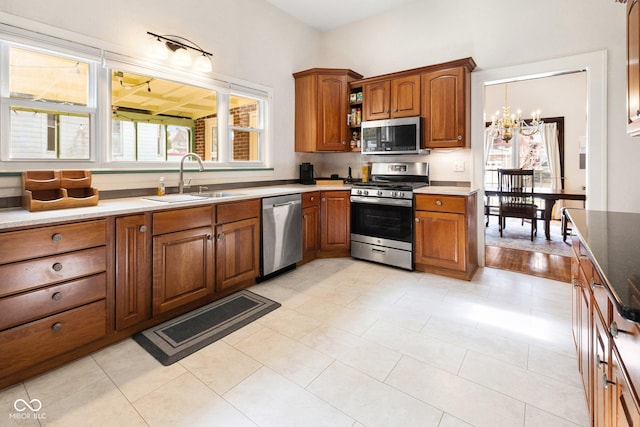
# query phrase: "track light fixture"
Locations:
[[178, 48]]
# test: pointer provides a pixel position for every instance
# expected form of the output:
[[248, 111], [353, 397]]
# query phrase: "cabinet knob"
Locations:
[[56, 237], [220, 236], [599, 362], [209, 236], [56, 296], [143, 228], [574, 282], [417, 219], [56, 327], [57, 266], [438, 202], [459, 137], [312, 198]]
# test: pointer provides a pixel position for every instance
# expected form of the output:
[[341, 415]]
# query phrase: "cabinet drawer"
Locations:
[[600, 297], [236, 211], [310, 199], [27, 244], [439, 203], [182, 219], [25, 275], [35, 342], [626, 338], [29, 306]]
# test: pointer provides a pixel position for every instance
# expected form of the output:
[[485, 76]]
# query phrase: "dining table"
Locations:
[[548, 195]]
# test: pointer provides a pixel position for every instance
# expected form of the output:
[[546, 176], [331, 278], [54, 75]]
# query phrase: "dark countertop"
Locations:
[[612, 240]]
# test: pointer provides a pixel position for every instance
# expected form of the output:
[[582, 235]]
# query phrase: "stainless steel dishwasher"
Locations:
[[281, 233]]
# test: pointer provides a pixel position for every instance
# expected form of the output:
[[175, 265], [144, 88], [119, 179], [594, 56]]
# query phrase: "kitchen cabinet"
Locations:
[[633, 68], [607, 346], [133, 270], [392, 98], [54, 294], [183, 257], [335, 223], [446, 107], [237, 245], [321, 101], [310, 226], [445, 235]]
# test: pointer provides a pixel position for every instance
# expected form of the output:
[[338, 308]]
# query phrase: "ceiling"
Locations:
[[329, 14]]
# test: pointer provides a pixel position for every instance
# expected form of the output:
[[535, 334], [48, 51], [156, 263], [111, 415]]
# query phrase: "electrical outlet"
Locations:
[[458, 166]]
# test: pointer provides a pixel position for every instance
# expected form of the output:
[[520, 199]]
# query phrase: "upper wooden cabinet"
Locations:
[[391, 98], [633, 68], [446, 107], [321, 101]]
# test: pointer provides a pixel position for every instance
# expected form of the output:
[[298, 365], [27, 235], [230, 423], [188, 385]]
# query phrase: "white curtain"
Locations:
[[550, 139]]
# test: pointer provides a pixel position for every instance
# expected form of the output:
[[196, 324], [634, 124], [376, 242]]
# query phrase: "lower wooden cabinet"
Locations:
[[335, 223], [183, 257], [310, 226], [445, 239], [183, 263], [237, 245], [133, 274], [607, 347]]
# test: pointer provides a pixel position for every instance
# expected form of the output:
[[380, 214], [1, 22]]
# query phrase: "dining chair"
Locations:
[[515, 197]]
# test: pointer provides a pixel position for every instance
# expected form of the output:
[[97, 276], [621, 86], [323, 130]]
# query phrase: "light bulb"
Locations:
[[157, 50], [181, 58], [203, 64]]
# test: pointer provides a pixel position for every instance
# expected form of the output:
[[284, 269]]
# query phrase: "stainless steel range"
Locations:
[[382, 213]]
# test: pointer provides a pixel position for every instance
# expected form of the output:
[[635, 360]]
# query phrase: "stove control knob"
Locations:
[[366, 192], [379, 193], [394, 194], [359, 192], [400, 194]]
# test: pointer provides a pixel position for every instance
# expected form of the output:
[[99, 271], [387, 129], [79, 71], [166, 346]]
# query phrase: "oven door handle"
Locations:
[[382, 201]]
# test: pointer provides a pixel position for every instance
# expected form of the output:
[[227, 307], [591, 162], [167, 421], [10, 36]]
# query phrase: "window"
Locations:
[[49, 104], [79, 106]]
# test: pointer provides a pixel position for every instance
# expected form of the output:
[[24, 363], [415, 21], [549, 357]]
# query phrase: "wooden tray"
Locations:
[[48, 190]]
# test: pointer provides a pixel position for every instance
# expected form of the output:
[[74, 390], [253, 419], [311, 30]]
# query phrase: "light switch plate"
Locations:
[[458, 166]]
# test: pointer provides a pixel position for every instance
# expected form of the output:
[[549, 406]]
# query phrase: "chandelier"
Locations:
[[505, 125]]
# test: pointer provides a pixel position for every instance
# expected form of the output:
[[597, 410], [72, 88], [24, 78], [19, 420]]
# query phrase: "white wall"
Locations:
[[251, 40], [496, 35], [254, 41]]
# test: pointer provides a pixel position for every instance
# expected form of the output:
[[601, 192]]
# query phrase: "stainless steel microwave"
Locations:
[[392, 136]]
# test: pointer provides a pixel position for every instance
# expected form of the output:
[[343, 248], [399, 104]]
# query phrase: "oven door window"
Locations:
[[382, 221]]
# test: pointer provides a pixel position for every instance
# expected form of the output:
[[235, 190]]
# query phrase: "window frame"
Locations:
[[103, 63]]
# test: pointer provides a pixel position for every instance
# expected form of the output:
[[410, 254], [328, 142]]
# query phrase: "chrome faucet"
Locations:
[[181, 180]]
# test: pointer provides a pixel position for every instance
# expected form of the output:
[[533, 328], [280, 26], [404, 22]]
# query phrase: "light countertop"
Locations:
[[19, 217]]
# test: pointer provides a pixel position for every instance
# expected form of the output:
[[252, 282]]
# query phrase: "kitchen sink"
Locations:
[[192, 197], [216, 194]]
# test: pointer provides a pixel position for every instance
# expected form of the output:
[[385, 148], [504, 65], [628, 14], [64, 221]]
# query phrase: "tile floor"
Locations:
[[354, 344]]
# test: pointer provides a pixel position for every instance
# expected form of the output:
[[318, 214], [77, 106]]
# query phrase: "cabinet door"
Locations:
[[440, 239], [183, 264], [585, 352], [238, 253], [445, 109], [332, 113], [405, 96], [376, 100], [310, 232], [133, 277], [625, 412], [335, 227], [633, 68], [601, 411], [576, 294]]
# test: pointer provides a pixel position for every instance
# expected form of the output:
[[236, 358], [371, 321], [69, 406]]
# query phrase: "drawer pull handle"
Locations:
[[599, 362], [56, 327], [312, 198], [57, 296], [438, 202], [143, 228], [613, 329], [56, 237], [57, 266]]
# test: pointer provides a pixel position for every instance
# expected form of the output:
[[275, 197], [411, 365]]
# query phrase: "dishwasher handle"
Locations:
[[293, 202]]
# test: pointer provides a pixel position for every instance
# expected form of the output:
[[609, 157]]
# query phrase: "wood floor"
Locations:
[[554, 267]]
